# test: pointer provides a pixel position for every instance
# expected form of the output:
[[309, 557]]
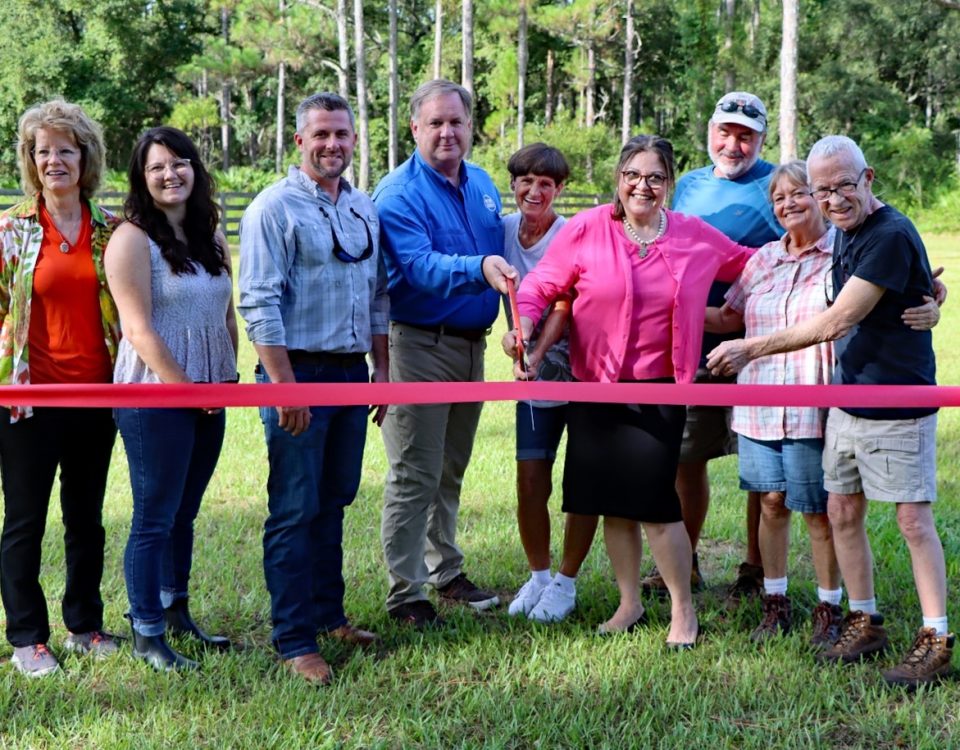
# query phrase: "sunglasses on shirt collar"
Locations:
[[338, 251]]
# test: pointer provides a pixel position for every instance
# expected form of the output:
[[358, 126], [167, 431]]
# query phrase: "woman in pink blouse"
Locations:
[[642, 274]]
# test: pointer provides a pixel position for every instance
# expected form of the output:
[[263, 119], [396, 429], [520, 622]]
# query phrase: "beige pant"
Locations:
[[428, 448]]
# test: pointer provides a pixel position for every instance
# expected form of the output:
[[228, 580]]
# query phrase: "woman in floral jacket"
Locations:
[[58, 324]]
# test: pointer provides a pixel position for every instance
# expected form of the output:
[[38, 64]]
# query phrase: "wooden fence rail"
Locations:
[[232, 205]]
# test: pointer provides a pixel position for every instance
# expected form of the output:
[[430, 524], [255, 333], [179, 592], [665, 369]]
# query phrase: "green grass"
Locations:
[[488, 680]]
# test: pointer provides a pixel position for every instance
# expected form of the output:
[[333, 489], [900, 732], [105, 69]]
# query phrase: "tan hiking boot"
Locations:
[[861, 636], [776, 618], [927, 661], [749, 584], [827, 621]]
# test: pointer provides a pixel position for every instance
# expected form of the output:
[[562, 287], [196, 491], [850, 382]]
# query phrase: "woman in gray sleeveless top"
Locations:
[[169, 270]]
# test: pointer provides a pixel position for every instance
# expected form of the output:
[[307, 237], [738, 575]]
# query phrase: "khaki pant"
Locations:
[[428, 448]]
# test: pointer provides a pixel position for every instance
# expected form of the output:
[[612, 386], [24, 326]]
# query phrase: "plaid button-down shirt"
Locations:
[[775, 291]]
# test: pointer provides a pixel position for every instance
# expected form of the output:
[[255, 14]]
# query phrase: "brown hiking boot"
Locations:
[[927, 661], [749, 584], [861, 636], [776, 618], [654, 585], [827, 621]]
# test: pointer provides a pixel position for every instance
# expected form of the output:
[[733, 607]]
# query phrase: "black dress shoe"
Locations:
[[179, 622], [155, 650]]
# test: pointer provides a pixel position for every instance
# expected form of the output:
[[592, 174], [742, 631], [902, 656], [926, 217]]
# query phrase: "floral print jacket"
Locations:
[[20, 239]]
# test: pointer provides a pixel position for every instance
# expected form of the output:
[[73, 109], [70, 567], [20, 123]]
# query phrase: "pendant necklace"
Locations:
[[64, 245], [644, 244]]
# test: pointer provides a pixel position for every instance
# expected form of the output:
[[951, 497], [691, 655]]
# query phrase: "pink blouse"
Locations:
[[592, 253]]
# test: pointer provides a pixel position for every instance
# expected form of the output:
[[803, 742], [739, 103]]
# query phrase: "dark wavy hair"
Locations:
[[202, 217], [638, 145]]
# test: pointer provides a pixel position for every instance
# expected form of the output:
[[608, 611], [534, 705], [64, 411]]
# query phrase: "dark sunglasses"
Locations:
[[341, 254], [748, 109]]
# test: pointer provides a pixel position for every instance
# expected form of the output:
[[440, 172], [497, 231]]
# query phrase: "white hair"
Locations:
[[834, 145]]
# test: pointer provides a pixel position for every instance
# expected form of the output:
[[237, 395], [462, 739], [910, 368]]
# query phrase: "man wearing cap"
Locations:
[[443, 240], [730, 195]]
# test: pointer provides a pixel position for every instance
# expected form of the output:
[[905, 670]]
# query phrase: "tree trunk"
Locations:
[[438, 39], [548, 112], [343, 47], [788, 82], [522, 54], [466, 65], [363, 181], [590, 104], [754, 25], [225, 93], [281, 97], [730, 11], [281, 101], [393, 146], [625, 120]]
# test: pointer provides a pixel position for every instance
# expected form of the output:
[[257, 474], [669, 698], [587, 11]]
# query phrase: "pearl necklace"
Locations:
[[644, 244]]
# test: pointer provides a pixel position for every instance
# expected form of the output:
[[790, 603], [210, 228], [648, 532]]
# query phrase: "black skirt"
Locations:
[[621, 461]]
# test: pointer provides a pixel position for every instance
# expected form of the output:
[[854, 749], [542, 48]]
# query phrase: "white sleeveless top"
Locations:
[[189, 313]]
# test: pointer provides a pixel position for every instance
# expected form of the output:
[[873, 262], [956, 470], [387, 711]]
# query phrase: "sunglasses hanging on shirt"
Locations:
[[338, 251]]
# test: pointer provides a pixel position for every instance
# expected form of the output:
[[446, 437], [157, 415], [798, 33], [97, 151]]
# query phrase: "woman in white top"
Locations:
[[169, 270]]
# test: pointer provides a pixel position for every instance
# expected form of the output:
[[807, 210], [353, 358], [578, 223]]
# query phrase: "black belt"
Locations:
[[470, 334], [301, 357]]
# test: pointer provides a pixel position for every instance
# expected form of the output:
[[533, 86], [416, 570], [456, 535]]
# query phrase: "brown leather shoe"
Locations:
[[776, 618], [310, 667], [354, 636], [927, 661], [749, 584], [827, 621], [862, 636]]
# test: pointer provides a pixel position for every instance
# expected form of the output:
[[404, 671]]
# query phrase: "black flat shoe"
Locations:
[[681, 646], [640, 622], [179, 622], [155, 650]]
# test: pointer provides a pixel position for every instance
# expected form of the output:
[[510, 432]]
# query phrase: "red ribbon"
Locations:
[[355, 394]]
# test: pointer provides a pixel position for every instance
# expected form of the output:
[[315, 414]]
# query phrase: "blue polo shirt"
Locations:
[[434, 238], [739, 208]]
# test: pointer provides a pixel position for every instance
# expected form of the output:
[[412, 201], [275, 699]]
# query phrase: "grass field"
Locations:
[[490, 681]]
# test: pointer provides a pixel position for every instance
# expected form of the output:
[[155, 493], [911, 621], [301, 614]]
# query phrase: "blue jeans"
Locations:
[[171, 454], [313, 477]]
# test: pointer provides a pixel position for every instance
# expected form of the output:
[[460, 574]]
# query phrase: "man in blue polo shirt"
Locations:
[[442, 239], [731, 195]]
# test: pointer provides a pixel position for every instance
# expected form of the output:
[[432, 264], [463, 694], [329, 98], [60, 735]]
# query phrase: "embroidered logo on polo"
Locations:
[[489, 203]]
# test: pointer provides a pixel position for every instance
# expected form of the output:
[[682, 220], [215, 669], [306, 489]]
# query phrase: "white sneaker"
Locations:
[[556, 602], [526, 598]]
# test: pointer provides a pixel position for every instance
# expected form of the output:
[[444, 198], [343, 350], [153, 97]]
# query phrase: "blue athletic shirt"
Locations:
[[435, 237], [880, 350], [739, 208]]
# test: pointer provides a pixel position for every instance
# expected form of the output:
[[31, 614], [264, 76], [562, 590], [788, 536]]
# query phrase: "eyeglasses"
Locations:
[[844, 189], [797, 195], [179, 166], [654, 180], [338, 251], [748, 109], [64, 154]]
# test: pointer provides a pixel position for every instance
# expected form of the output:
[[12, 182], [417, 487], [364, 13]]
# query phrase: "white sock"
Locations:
[[565, 582], [773, 586], [541, 577], [937, 623], [867, 606], [830, 596]]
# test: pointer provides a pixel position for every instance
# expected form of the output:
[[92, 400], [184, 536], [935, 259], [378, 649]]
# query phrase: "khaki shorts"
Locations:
[[893, 460], [707, 432]]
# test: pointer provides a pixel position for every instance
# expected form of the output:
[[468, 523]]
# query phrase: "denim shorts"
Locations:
[[789, 466], [539, 430]]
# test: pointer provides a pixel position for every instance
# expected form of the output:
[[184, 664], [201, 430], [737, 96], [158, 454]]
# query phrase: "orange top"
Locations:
[[66, 332]]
